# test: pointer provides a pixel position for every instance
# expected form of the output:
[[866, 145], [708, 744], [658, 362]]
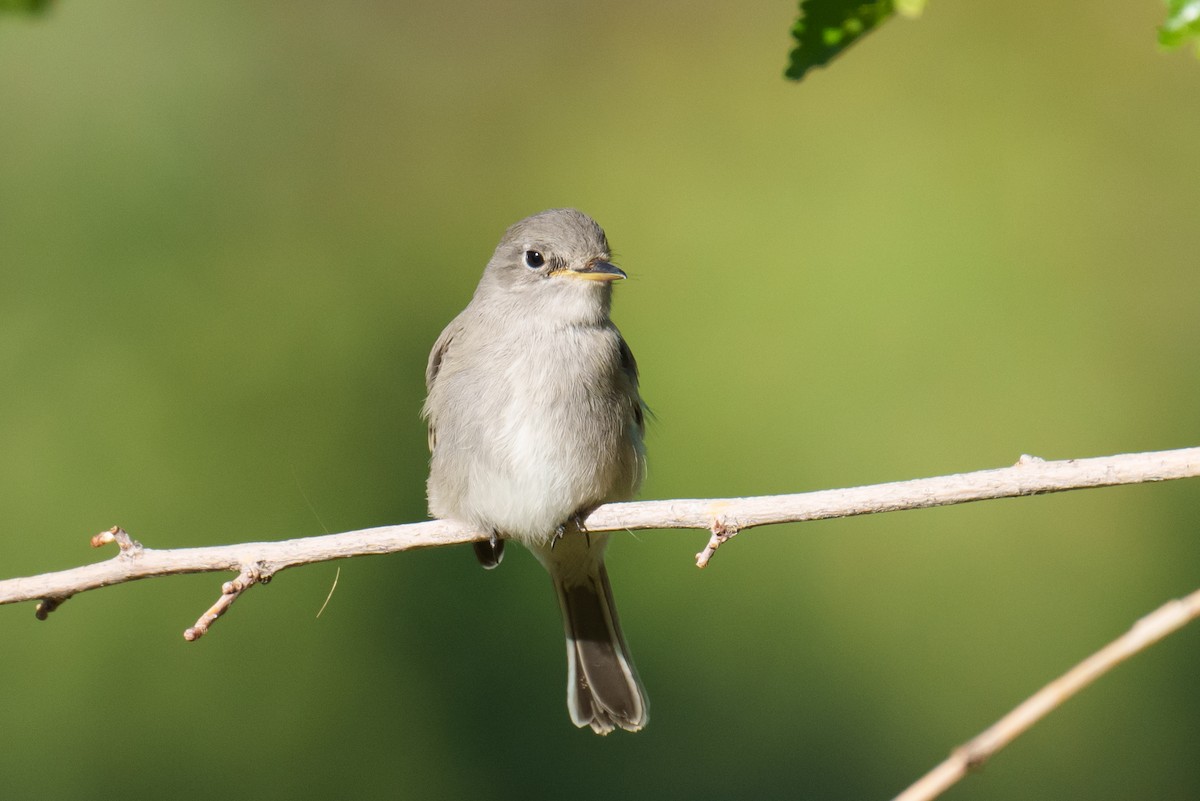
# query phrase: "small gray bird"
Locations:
[[534, 420]]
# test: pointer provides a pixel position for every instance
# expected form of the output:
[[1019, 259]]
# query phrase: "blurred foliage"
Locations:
[[230, 233], [25, 6], [1182, 25], [827, 27]]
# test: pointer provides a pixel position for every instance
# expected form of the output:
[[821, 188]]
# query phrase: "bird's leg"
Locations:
[[582, 528]]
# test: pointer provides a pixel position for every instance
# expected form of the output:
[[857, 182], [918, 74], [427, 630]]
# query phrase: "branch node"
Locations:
[[1027, 459], [230, 590], [128, 545], [48, 605], [973, 759], [722, 530]]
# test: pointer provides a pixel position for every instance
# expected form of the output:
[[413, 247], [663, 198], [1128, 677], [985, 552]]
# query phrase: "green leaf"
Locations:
[[1182, 24], [827, 27]]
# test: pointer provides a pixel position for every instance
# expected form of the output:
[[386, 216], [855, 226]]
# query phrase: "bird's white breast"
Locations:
[[546, 463]]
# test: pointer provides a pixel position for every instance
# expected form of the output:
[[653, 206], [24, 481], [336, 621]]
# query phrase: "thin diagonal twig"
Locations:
[[1167, 619]]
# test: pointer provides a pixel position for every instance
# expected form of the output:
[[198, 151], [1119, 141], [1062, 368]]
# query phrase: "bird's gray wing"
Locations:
[[630, 368], [436, 357]]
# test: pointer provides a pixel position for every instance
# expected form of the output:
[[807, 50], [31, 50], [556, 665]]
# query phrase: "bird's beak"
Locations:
[[593, 271]]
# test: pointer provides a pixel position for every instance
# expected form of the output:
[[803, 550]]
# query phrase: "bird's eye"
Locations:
[[534, 259]]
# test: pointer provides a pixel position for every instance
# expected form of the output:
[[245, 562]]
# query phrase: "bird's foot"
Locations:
[[576, 521]]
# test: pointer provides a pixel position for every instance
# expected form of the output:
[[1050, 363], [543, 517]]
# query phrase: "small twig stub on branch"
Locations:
[[128, 545], [722, 531], [230, 592]]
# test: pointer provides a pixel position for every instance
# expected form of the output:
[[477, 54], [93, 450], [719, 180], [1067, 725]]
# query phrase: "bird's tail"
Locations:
[[603, 689]]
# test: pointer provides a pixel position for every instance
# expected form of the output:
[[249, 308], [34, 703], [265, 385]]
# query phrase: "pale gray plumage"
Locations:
[[535, 419]]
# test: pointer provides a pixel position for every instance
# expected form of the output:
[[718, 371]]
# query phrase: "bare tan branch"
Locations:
[[721, 517], [1168, 618], [257, 562]]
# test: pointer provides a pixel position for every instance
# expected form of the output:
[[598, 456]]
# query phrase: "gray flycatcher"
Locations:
[[534, 420]]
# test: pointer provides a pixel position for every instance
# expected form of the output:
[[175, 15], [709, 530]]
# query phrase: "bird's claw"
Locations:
[[561, 531]]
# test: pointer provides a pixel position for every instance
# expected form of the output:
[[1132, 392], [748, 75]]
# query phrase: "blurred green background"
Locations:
[[230, 233]]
